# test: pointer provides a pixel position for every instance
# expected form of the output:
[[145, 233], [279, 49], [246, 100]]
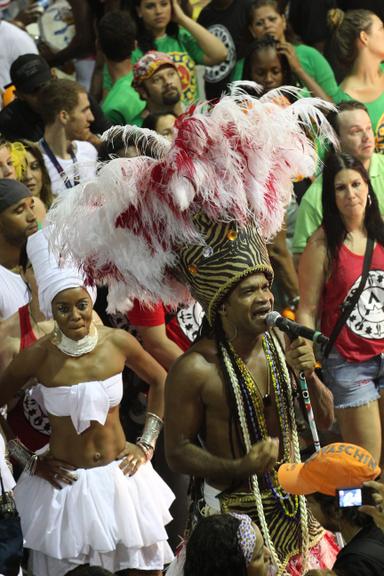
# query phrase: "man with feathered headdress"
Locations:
[[195, 221]]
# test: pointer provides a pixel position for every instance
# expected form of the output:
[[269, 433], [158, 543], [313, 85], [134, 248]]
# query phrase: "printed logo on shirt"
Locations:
[[379, 135], [367, 317], [190, 319], [186, 69], [217, 73], [35, 414]]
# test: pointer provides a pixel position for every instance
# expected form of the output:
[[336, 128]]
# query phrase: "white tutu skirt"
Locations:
[[104, 518]]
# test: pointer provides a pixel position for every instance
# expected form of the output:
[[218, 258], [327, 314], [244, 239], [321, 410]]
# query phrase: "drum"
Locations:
[[56, 25]]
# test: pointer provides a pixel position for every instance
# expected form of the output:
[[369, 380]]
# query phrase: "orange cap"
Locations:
[[337, 465]]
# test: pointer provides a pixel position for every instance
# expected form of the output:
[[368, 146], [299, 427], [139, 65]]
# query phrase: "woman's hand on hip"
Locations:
[[133, 456], [55, 472]]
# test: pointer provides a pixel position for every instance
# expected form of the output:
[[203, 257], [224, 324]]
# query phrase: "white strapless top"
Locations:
[[85, 401]]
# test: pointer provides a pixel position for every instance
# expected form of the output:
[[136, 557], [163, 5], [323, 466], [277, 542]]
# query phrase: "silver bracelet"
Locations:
[[148, 450], [152, 428], [31, 465], [19, 452]]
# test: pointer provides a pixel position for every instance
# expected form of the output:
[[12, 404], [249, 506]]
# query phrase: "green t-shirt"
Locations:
[[376, 114], [123, 104], [237, 72], [186, 53], [310, 212], [314, 64], [318, 67]]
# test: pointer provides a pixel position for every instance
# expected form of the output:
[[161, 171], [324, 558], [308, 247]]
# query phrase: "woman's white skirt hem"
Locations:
[[104, 518]]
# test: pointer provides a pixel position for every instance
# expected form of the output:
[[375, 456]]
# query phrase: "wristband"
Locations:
[[152, 428], [19, 452]]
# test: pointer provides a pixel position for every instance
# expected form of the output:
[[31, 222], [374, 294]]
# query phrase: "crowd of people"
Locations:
[[171, 173]]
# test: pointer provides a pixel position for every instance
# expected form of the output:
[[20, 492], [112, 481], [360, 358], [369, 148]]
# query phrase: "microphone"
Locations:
[[293, 329]]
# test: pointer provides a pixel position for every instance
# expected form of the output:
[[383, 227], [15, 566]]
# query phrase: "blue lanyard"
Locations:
[[76, 178]]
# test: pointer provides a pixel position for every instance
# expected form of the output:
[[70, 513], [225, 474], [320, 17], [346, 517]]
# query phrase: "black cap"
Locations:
[[29, 72], [11, 192]]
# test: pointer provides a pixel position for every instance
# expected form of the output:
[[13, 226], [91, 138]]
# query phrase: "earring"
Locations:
[[369, 200]]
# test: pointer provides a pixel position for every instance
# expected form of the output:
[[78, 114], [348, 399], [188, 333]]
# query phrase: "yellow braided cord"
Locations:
[[247, 441], [297, 457]]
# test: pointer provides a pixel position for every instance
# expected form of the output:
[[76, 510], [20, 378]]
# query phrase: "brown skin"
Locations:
[[259, 564], [16, 223], [266, 21], [10, 335], [99, 444], [196, 398], [376, 511]]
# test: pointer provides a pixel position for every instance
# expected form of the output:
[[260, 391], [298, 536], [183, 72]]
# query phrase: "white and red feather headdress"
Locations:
[[234, 160]]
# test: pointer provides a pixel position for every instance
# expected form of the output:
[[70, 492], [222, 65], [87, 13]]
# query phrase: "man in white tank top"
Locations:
[[17, 222]]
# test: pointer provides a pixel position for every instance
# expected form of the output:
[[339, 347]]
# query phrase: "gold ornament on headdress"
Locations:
[[229, 252]]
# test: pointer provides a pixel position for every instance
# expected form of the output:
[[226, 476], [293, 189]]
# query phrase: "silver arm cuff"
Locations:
[[19, 452], [152, 428]]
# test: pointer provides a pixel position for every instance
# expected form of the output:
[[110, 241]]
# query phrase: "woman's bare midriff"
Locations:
[[97, 446]]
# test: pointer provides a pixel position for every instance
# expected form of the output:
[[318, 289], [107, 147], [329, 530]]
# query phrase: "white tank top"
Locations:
[[13, 293]]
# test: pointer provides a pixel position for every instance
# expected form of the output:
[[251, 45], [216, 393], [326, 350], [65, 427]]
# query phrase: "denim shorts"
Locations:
[[353, 383]]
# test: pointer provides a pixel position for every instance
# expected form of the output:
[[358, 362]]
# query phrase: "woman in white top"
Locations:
[[102, 503]]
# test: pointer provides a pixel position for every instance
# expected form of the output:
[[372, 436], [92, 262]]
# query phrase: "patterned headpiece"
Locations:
[[229, 253], [195, 218], [148, 65]]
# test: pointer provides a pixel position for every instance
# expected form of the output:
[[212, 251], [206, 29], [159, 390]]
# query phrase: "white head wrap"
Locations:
[[51, 278]]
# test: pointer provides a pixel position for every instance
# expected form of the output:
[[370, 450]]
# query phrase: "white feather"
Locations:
[[234, 160]]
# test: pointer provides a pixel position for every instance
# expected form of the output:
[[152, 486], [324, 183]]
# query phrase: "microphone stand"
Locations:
[[308, 406], [307, 402]]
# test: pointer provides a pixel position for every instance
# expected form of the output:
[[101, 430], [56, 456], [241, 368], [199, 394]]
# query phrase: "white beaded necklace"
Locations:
[[71, 347]]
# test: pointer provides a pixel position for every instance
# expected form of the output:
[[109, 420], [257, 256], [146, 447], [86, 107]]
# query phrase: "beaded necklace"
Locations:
[[280, 496], [75, 348], [253, 425]]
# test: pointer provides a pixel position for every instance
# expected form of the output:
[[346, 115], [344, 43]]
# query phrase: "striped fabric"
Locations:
[[229, 254], [285, 531]]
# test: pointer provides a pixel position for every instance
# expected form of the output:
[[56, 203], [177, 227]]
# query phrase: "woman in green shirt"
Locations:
[[267, 19], [358, 41], [162, 25]]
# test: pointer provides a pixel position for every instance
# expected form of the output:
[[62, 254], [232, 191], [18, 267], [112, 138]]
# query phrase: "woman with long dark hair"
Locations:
[[330, 271], [35, 174]]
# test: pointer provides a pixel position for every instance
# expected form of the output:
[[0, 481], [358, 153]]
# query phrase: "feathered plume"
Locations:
[[233, 160]]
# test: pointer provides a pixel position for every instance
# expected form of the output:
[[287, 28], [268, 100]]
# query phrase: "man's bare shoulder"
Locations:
[[197, 363]]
